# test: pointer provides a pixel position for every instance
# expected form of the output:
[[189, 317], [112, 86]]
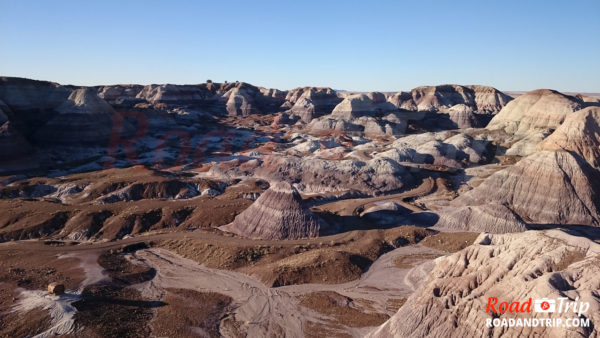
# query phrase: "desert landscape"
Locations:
[[299, 169], [227, 209]]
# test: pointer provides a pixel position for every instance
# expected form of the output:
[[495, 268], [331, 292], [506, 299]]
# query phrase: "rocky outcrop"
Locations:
[[491, 218], [464, 117], [277, 214], [579, 133], [239, 103], [361, 105], [85, 101], [452, 300], [175, 94], [546, 187], [540, 109], [124, 96], [311, 102]]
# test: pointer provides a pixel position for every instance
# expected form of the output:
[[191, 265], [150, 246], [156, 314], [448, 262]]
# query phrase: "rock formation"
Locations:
[[491, 218], [579, 133], [56, 288], [369, 113], [277, 214], [124, 96], [546, 187], [536, 110], [311, 102], [85, 101], [525, 144], [239, 103], [433, 98], [175, 94], [446, 148], [452, 300], [464, 117]]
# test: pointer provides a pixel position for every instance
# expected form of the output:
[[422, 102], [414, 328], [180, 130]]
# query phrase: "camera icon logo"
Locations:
[[544, 305]]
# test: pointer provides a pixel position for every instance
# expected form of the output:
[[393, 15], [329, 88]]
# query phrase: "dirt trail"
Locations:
[[260, 310]]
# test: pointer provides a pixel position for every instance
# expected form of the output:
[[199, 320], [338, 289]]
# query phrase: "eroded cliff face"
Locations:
[[452, 301]]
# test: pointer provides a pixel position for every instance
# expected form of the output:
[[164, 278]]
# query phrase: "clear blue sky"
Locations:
[[375, 45]]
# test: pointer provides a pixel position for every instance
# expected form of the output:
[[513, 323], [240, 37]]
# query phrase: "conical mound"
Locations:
[[277, 214]]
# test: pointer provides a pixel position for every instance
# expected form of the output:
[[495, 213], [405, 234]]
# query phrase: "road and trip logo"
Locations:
[[574, 312]]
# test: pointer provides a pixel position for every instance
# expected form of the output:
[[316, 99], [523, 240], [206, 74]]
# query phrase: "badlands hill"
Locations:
[[452, 300], [531, 117], [442, 107], [279, 213], [536, 110], [329, 142], [579, 133], [546, 187], [368, 113]]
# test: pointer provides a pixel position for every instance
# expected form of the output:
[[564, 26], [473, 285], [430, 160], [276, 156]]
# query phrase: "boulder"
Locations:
[[56, 288]]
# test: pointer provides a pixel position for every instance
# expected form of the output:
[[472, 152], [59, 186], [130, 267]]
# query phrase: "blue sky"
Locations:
[[375, 45]]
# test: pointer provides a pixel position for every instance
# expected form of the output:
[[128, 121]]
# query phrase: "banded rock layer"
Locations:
[[452, 301], [491, 218], [83, 118], [433, 98], [369, 113], [536, 110], [546, 187]]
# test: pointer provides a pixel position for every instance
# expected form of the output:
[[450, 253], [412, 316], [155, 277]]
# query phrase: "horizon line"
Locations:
[[519, 91]]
